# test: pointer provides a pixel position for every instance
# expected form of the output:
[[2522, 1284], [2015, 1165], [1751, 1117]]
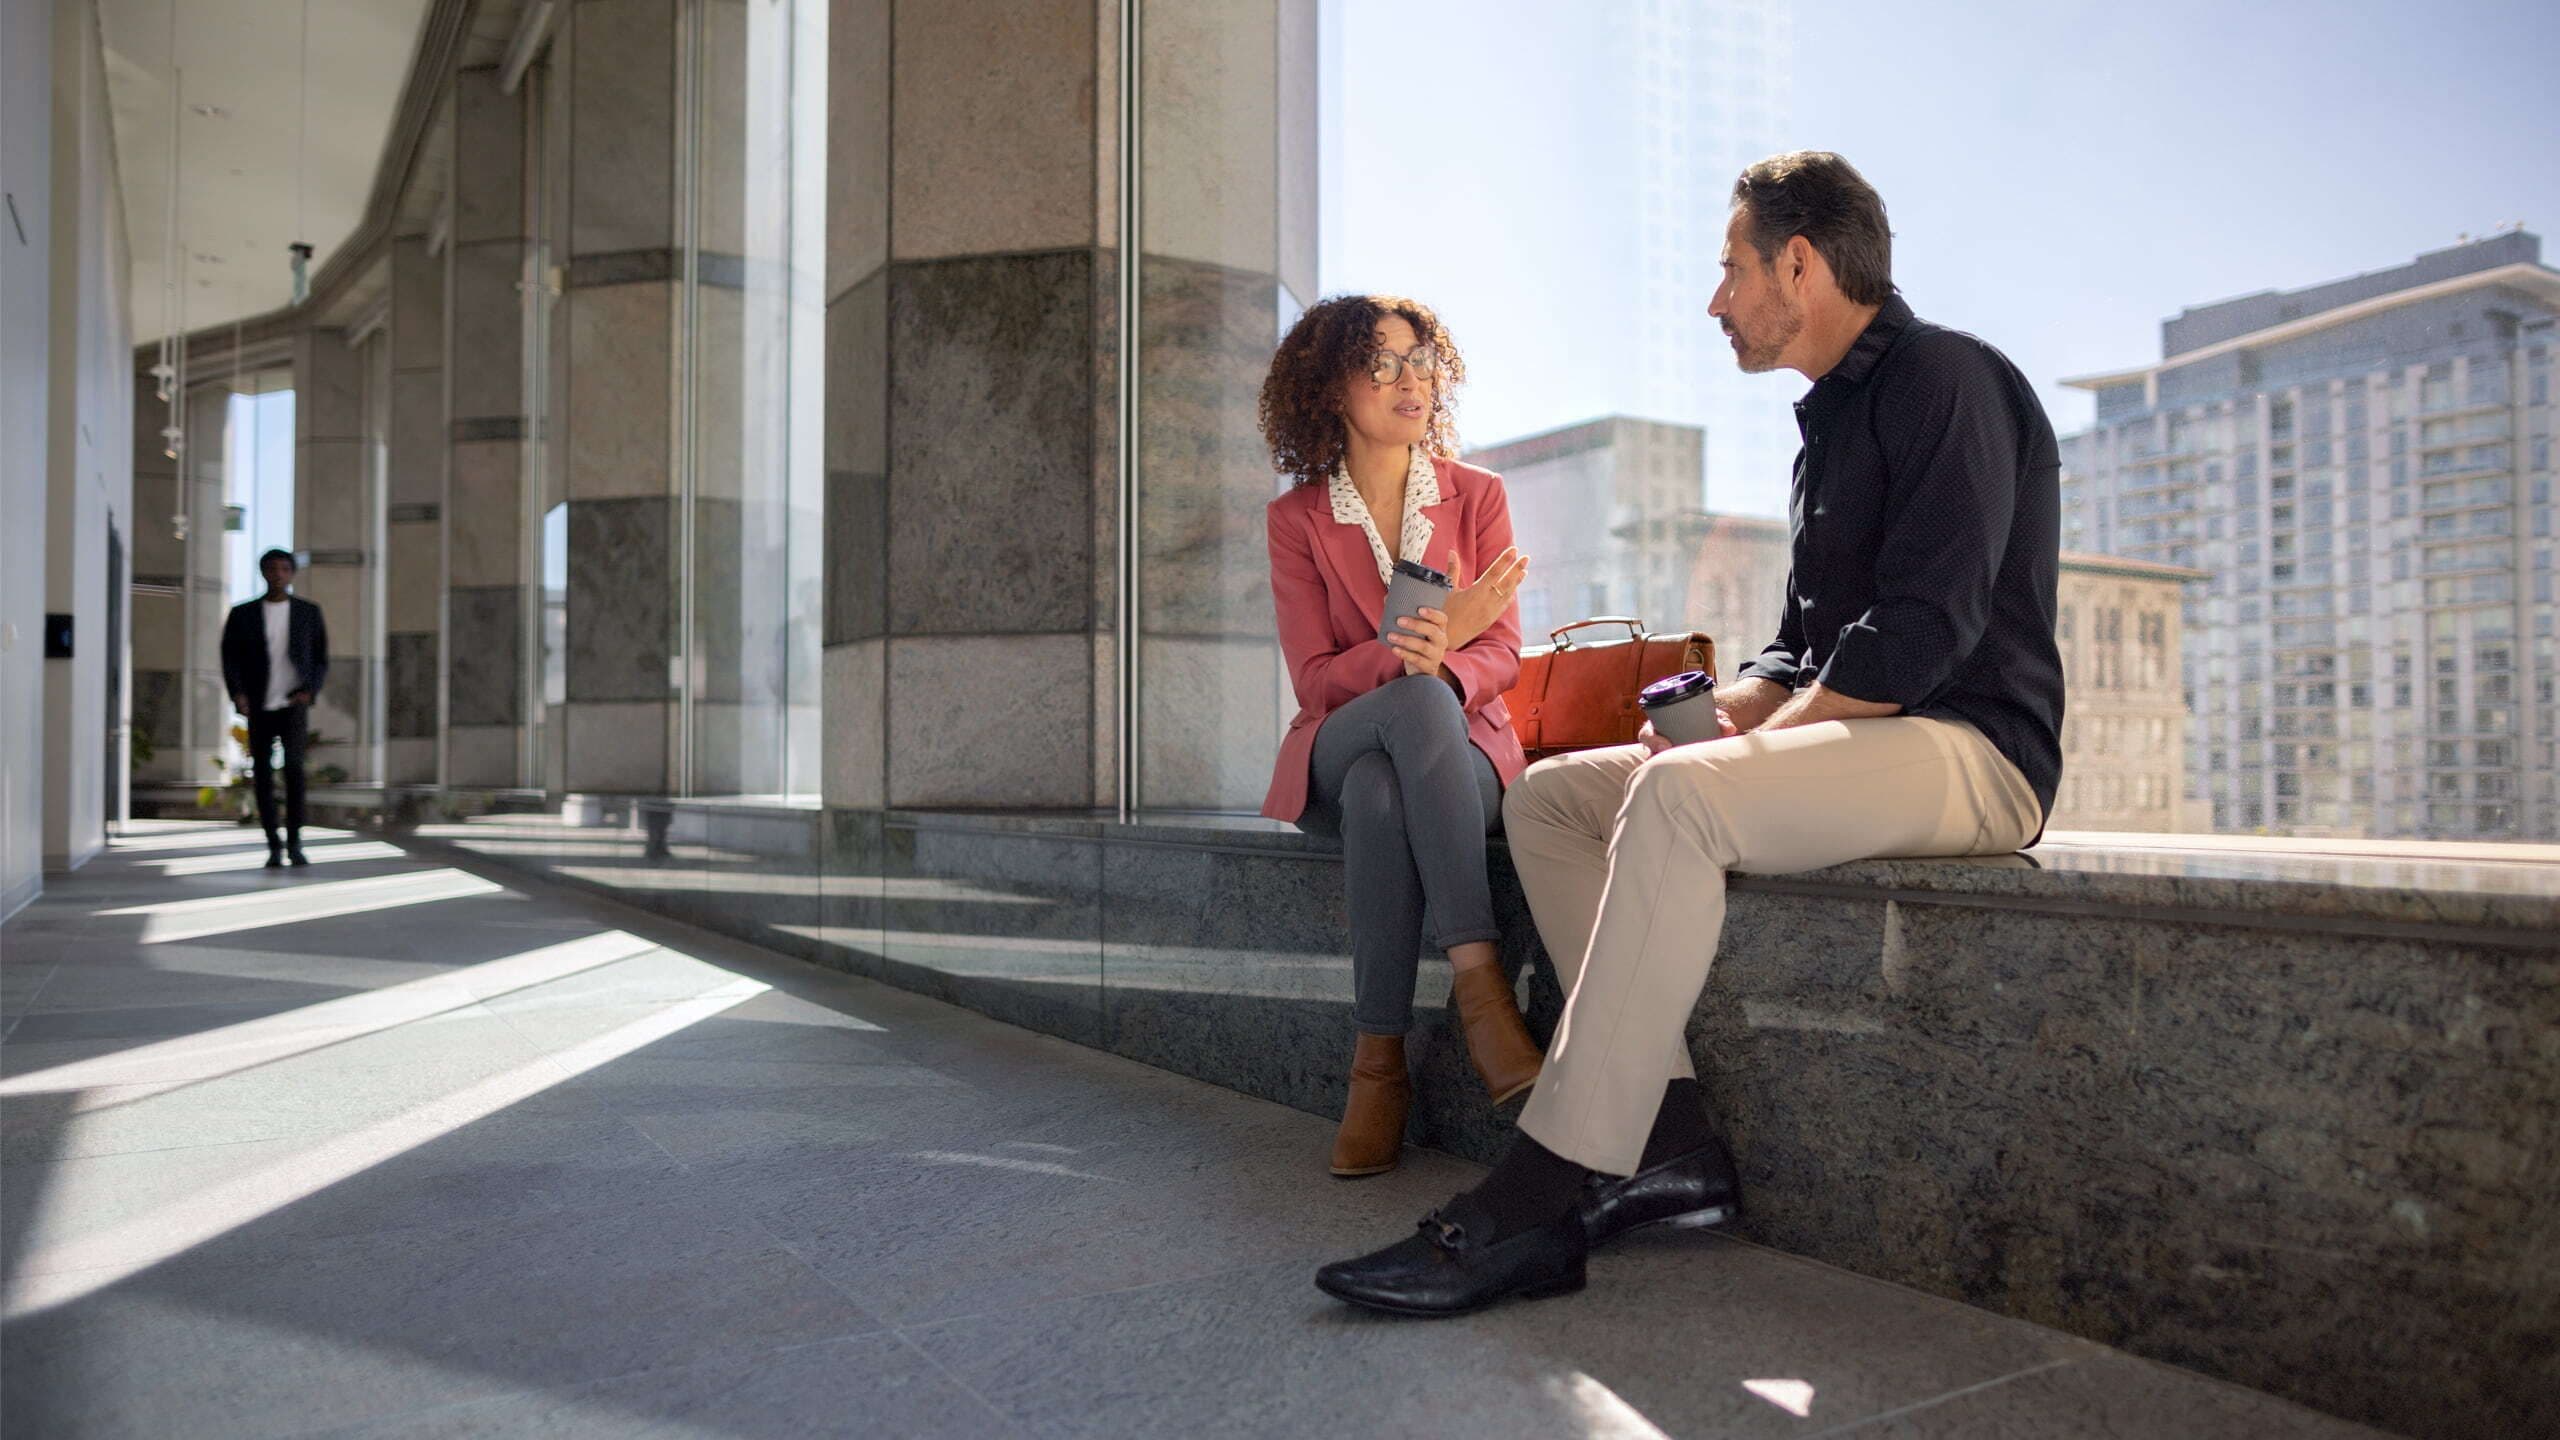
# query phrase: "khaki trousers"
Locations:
[[1624, 861]]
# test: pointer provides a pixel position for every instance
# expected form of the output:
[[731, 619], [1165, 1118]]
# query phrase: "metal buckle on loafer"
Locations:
[[1449, 1235]]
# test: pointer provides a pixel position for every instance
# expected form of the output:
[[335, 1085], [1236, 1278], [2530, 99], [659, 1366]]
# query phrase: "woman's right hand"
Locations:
[[1473, 608]]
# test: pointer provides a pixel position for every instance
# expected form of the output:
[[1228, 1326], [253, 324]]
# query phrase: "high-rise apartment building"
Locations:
[[2363, 469]]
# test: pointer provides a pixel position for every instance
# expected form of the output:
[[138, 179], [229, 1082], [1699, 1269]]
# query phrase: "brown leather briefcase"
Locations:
[[1581, 694]]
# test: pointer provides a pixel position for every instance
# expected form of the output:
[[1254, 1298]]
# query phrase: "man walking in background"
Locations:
[[275, 654]]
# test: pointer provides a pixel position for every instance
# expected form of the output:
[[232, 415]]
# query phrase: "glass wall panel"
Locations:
[[1566, 232], [547, 109], [1228, 262], [754, 347]]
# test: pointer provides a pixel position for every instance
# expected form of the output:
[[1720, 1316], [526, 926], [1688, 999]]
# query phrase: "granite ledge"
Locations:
[[2505, 896]]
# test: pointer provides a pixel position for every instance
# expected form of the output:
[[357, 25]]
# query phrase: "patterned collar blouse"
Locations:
[[1421, 490]]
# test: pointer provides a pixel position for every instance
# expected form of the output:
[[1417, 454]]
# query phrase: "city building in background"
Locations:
[[2124, 721], [2363, 470], [1609, 512]]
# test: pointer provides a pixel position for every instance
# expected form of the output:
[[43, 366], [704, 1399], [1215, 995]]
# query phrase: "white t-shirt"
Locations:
[[282, 678]]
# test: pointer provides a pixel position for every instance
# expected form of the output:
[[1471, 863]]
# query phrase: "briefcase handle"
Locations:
[[1635, 628]]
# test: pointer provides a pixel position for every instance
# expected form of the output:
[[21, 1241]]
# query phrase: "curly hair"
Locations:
[[1331, 343]]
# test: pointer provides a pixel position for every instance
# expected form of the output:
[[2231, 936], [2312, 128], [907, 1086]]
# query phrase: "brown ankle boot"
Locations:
[[1372, 1133], [1507, 1060]]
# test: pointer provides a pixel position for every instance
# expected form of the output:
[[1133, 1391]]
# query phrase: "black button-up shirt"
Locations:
[[1927, 535]]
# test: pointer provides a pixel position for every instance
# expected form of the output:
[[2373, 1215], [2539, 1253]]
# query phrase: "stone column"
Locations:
[[971, 335], [335, 519], [413, 560], [180, 589], [157, 566], [486, 541], [965, 323], [617, 421]]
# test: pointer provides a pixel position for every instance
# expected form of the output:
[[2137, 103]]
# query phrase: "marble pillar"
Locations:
[[180, 590], [486, 537], [972, 330], [966, 565], [337, 519], [616, 422], [413, 554]]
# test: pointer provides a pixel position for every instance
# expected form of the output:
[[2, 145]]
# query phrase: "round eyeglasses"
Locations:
[[1387, 367]]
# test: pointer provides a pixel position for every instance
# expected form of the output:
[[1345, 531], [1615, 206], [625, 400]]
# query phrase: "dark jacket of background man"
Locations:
[[244, 649], [247, 674]]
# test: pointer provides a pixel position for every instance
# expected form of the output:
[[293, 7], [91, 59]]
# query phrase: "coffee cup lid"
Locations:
[[1672, 689], [1421, 572]]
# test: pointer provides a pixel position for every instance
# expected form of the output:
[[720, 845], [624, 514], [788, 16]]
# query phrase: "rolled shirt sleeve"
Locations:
[[1950, 500], [1782, 658]]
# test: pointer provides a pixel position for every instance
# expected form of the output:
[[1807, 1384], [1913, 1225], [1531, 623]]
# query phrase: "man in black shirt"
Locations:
[[275, 656], [1911, 704]]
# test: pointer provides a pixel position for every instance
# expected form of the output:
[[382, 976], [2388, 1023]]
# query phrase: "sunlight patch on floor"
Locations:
[[87, 1264], [1598, 1412], [212, 1054], [167, 920], [1793, 1396], [256, 858]]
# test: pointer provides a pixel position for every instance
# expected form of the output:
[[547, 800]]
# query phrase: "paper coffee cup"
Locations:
[[1412, 588], [1682, 707]]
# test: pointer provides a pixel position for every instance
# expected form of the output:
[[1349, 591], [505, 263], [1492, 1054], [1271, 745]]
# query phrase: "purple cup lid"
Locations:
[[1672, 689], [1423, 573]]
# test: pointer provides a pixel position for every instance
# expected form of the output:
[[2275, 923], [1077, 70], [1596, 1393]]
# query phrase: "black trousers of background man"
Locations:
[[290, 727]]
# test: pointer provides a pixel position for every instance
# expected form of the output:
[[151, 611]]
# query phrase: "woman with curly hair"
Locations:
[[1399, 747]]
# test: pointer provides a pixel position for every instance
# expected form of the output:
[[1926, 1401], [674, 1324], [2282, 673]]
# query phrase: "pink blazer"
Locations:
[[1326, 590]]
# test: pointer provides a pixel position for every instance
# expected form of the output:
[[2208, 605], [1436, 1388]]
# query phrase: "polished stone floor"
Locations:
[[383, 1147]]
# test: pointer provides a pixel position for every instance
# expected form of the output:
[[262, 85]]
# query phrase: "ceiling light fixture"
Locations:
[[301, 249]]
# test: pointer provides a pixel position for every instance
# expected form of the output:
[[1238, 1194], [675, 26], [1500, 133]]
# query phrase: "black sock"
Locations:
[[1680, 1126], [1530, 1185]]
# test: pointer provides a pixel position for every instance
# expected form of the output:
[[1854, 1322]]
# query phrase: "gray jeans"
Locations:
[[1394, 775]]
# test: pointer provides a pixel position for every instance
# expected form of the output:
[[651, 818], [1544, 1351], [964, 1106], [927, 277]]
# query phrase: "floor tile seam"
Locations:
[[424, 1412], [994, 1411], [24, 1010], [1848, 1427], [755, 1215], [356, 1035], [1312, 1261], [203, 1004], [157, 1150]]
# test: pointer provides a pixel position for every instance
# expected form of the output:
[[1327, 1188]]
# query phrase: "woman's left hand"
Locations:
[[1424, 643]]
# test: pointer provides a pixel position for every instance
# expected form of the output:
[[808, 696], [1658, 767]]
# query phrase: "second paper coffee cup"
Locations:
[[1682, 707]]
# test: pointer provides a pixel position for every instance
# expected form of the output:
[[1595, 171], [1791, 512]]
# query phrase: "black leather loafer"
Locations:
[[1685, 1192], [1447, 1268]]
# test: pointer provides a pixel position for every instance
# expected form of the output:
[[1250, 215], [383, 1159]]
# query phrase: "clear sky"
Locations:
[[2061, 176]]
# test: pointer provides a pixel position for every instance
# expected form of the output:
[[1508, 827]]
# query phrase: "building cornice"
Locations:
[[2540, 279]]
